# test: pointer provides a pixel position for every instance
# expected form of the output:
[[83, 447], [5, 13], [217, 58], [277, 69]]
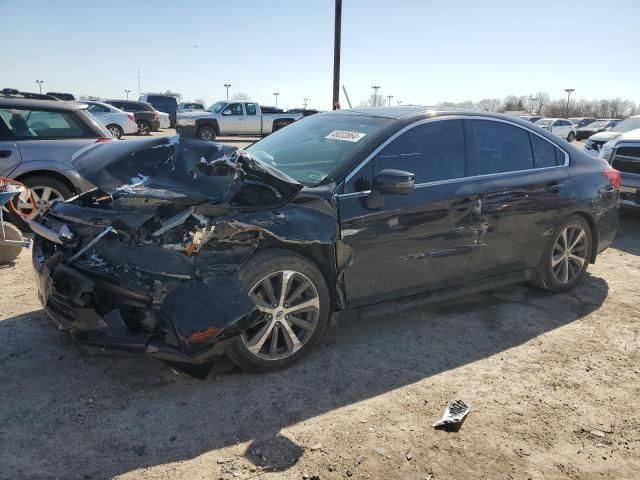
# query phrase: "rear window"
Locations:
[[34, 124], [161, 100]]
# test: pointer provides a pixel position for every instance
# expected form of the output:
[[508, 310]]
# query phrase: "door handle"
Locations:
[[554, 187], [5, 153]]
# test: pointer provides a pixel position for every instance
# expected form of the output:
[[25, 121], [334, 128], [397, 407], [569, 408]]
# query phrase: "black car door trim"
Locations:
[[435, 119]]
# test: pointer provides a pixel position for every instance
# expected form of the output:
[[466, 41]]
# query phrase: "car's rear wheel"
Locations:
[[10, 232], [115, 130], [144, 128], [206, 133], [292, 313], [571, 137], [566, 258]]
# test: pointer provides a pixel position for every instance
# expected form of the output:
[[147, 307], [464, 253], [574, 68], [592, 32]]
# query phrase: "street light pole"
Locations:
[[389, 97], [40, 82], [375, 95], [227, 85], [569, 92], [305, 100], [275, 94], [127, 92], [336, 54]]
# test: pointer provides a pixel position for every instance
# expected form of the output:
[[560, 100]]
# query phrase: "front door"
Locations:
[[233, 120], [429, 239], [253, 123]]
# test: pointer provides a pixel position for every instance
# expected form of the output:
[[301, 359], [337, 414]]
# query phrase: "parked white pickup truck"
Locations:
[[232, 118]]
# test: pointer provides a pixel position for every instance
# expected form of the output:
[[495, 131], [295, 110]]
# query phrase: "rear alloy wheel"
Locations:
[[115, 131], [44, 191], [566, 258], [207, 133], [571, 137], [143, 127], [292, 304]]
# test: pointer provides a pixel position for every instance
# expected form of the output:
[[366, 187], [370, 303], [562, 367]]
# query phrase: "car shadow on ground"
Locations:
[[628, 236], [61, 403]]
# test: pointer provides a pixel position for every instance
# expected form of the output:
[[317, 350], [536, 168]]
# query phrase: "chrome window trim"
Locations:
[[452, 180]]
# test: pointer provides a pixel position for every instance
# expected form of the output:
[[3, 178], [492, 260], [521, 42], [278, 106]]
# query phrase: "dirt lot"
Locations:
[[552, 381]]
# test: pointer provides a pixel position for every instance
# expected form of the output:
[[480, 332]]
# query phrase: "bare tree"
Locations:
[[241, 97], [543, 99], [489, 104], [373, 101], [200, 101]]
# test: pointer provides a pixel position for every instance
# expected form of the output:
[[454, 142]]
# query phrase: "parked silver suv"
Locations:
[[38, 137]]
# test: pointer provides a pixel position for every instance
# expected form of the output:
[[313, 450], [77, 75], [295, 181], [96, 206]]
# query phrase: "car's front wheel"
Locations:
[[566, 257], [207, 133], [292, 311]]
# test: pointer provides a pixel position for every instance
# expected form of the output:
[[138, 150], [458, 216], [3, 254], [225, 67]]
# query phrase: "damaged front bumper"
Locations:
[[177, 320]]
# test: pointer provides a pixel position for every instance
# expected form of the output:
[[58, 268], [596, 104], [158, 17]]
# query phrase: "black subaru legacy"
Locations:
[[188, 250]]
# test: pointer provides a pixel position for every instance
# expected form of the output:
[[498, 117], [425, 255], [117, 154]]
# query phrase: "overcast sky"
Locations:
[[419, 51]]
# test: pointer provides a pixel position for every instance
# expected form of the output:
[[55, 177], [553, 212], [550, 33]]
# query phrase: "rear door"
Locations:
[[102, 114], [525, 191], [253, 123], [423, 241]]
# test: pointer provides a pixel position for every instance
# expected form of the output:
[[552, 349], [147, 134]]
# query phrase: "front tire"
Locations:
[[571, 137], [207, 133], [44, 191], [292, 313], [566, 258], [115, 131]]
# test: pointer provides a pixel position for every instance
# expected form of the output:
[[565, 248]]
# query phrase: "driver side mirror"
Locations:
[[390, 182], [226, 112]]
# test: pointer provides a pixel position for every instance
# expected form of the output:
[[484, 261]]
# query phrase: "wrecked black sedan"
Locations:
[[188, 250]]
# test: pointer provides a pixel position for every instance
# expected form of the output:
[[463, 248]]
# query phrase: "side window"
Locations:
[[33, 124], [251, 108], [498, 147], [545, 154], [95, 108], [234, 108], [433, 151]]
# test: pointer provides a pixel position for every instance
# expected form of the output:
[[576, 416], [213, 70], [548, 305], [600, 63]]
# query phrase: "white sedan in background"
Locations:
[[561, 127], [115, 120]]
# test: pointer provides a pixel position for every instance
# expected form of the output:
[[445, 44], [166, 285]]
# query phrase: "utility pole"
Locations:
[[569, 92], [389, 97], [375, 95], [275, 94], [40, 82], [127, 92], [305, 100], [227, 85], [337, 30]]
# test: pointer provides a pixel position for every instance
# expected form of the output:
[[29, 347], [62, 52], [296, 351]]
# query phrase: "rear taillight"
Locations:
[[613, 176], [103, 140], [131, 117]]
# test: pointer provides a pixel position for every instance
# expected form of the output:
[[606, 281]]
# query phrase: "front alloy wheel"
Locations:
[[289, 308]]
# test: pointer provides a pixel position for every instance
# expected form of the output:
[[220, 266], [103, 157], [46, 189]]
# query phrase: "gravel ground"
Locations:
[[552, 381]]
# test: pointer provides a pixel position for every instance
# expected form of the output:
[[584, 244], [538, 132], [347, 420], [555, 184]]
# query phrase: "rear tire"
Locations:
[[8, 253], [571, 137], [115, 131], [281, 316], [144, 128], [206, 133], [566, 257]]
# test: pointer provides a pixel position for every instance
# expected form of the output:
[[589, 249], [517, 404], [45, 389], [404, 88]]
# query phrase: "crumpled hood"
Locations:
[[175, 168]]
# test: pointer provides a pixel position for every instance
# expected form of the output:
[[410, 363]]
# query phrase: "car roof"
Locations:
[[30, 103]]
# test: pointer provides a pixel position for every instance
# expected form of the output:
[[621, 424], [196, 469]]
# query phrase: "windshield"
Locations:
[[216, 107], [545, 122], [597, 124], [310, 149], [627, 124]]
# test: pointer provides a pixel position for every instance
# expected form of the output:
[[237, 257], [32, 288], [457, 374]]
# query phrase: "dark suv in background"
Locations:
[[146, 117], [163, 103], [39, 136]]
